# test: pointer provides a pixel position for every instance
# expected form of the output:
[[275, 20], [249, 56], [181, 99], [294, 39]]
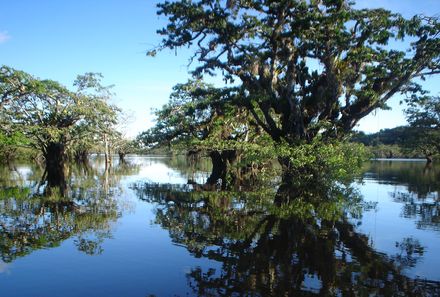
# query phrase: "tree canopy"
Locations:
[[202, 118], [55, 119], [49, 114], [307, 68]]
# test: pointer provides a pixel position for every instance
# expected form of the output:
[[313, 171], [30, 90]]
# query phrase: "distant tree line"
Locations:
[[421, 138]]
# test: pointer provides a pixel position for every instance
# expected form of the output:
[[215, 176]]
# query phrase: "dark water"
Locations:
[[140, 230]]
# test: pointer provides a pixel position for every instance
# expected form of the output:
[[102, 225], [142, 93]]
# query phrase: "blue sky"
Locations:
[[60, 39]]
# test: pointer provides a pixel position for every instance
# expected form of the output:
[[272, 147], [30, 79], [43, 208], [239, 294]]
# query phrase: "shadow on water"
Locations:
[[303, 246], [82, 206]]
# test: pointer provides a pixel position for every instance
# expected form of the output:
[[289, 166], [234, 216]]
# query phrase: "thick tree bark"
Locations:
[[55, 157], [220, 162]]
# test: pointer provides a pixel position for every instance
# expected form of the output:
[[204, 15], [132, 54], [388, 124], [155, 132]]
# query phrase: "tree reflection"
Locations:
[[304, 246], [421, 179], [31, 218], [410, 252], [421, 199]]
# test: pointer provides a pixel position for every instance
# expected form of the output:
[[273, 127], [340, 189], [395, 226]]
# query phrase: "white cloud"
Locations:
[[4, 36]]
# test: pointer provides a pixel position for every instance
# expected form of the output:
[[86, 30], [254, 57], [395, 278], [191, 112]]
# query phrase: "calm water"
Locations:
[[140, 230]]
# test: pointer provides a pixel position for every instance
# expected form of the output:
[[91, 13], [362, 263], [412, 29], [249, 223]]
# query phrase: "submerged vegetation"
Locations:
[[298, 78], [56, 123], [309, 246], [30, 219], [278, 209], [303, 74]]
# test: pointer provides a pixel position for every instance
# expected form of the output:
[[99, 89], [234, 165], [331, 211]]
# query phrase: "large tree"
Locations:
[[203, 118], [308, 68], [53, 117]]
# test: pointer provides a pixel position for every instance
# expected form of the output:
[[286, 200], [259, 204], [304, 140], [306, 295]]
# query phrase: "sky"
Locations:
[[58, 40]]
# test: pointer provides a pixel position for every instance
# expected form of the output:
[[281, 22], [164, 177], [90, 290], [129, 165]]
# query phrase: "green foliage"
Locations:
[[200, 116], [46, 113], [334, 160], [393, 136], [424, 118], [400, 142], [306, 69], [420, 139], [12, 145]]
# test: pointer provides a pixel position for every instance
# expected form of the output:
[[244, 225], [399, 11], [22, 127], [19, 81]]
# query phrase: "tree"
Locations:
[[10, 143], [423, 116], [51, 116], [308, 69], [119, 143], [202, 118]]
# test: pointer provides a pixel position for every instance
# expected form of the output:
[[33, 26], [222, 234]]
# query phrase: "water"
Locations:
[[140, 230]]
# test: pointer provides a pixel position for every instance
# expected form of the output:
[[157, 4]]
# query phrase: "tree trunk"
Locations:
[[285, 164], [220, 161], [107, 152], [390, 155], [55, 157], [428, 159], [81, 156], [121, 157], [286, 191]]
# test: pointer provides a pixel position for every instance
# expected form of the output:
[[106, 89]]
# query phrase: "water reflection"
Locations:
[[33, 218], [420, 196], [180, 239], [265, 249], [420, 178]]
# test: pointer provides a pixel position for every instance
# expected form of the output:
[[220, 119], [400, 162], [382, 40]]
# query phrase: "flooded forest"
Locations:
[[252, 179]]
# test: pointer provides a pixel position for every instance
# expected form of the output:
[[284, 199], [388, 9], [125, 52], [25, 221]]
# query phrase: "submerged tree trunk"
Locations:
[[81, 156], [107, 151], [55, 157], [121, 157], [220, 162], [223, 175], [287, 191], [428, 159]]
